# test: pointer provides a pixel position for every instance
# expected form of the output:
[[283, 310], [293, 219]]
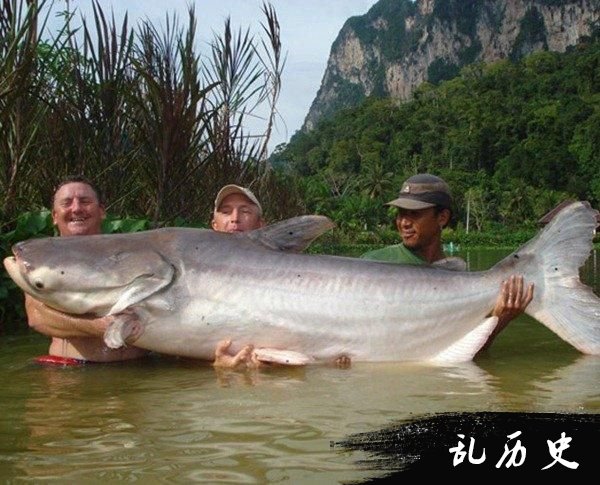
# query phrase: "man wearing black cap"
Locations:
[[424, 209]]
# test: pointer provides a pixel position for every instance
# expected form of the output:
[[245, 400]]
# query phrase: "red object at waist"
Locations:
[[58, 360]]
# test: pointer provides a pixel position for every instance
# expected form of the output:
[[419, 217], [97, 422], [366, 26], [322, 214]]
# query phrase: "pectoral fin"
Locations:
[[283, 357], [151, 273]]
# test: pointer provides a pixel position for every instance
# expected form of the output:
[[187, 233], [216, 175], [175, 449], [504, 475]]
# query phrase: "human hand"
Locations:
[[512, 300], [245, 357], [122, 328], [134, 325], [343, 362]]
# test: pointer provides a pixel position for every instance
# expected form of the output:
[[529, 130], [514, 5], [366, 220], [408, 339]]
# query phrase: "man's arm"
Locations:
[[511, 302], [57, 324]]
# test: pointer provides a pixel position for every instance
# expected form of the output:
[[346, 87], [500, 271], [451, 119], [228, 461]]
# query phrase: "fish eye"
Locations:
[[39, 285]]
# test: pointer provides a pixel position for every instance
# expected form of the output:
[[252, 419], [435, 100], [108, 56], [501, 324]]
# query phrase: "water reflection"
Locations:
[[574, 387]]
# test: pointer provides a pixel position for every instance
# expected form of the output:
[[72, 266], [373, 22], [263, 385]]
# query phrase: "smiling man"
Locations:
[[424, 209], [77, 210]]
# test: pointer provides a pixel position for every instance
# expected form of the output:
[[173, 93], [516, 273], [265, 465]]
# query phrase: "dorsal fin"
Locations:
[[293, 235]]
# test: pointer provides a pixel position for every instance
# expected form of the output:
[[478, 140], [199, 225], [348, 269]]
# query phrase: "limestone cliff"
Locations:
[[399, 44]]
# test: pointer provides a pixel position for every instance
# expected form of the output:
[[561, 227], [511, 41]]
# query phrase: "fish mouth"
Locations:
[[20, 269], [17, 270], [25, 266]]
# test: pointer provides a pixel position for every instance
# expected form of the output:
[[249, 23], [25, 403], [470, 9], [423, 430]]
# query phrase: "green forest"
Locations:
[[513, 139]]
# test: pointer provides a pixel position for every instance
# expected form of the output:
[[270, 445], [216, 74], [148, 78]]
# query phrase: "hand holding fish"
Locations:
[[246, 356], [130, 318], [513, 299], [511, 303], [252, 357]]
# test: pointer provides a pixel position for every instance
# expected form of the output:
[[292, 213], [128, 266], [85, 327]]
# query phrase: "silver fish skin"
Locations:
[[193, 288]]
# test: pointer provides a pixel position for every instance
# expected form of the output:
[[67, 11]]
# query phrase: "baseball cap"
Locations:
[[422, 191], [227, 190]]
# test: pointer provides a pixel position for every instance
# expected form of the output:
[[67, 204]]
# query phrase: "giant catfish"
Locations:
[[193, 288]]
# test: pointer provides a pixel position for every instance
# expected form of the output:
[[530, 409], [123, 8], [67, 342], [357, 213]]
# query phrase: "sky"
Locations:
[[308, 29]]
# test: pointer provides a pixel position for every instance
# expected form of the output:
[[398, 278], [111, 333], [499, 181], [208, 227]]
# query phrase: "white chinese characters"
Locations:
[[514, 454]]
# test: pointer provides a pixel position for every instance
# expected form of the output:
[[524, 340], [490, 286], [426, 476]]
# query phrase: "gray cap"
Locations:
[[236, 189], [422, 191]]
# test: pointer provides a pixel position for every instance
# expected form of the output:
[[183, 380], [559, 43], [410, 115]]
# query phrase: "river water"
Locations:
[[172, 420]]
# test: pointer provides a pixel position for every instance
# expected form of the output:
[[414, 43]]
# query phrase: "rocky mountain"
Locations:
[[399, 44]]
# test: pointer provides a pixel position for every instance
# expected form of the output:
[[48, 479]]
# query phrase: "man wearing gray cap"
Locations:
[[424, 209], [236, 210]]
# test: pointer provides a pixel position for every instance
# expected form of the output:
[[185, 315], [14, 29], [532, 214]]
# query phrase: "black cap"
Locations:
[[422, 191]]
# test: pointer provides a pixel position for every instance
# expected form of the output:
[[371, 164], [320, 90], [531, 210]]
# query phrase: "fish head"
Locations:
[[101, 274]]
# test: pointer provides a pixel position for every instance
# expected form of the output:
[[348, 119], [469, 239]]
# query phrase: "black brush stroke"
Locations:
[[422, 446]]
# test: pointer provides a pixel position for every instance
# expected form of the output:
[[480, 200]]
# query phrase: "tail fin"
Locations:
[[561, 301]]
